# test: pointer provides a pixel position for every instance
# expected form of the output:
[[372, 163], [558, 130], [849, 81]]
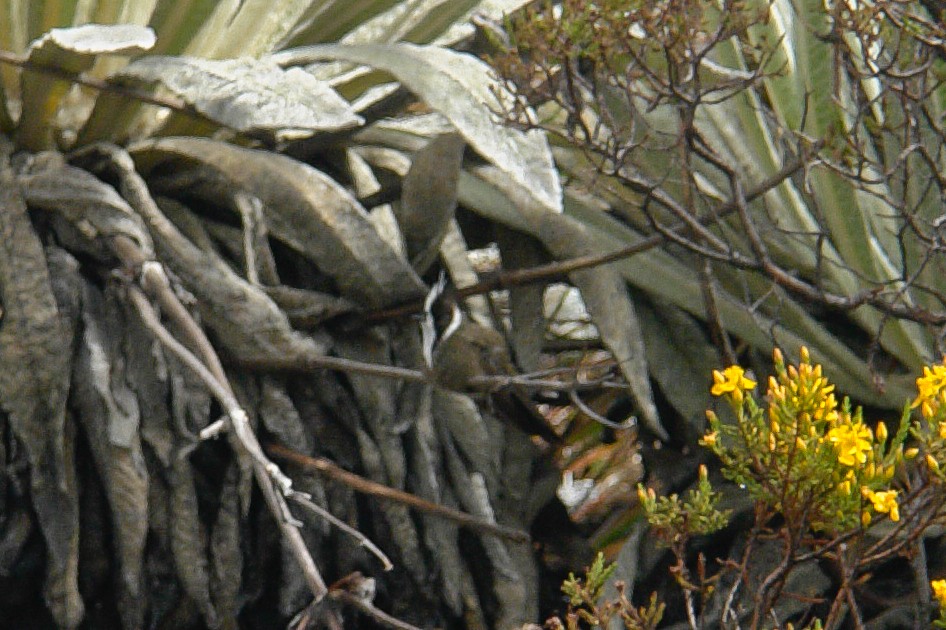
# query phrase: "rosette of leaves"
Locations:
[[288, 166]]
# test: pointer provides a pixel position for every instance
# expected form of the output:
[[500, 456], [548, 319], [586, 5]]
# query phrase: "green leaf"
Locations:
[[69, 50]]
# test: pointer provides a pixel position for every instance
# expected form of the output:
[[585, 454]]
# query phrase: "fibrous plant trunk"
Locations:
[[118, 513]]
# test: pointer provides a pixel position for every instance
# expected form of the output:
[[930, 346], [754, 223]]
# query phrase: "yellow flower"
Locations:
[[939, 591], [932, 389], [731, 380], [852, 442], [884, 502]]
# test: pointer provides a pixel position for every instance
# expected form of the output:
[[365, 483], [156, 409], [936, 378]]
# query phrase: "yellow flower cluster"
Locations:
[[939, 591], [802, 451], [931, 399], [804, 385], [932, 390]]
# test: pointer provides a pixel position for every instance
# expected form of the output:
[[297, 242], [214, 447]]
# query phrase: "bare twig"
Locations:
[[313, 363], [488, 383], [305, 501], [630, 423], [366, 486]]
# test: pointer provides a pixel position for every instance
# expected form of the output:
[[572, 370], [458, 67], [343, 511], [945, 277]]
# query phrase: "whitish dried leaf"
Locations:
[[247, 323], [248, 95], [465, 90], [467, 427], [280, 417]]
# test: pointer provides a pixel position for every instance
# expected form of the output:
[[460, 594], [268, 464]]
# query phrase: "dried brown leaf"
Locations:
[[34, 334]]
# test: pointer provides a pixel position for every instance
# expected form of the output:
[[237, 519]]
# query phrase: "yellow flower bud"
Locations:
[[881, 432], [910, 453], [805, 357], [709, 439], [704, 473], [865, 518], [777, 356], [932, 463]]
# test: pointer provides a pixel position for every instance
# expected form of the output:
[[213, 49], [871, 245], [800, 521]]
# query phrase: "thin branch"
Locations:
[[366, 486], [314, 363], [305, 501], [485, 383]]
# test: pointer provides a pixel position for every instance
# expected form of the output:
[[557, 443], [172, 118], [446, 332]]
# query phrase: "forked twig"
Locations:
[[369, 609], [268, 475]]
